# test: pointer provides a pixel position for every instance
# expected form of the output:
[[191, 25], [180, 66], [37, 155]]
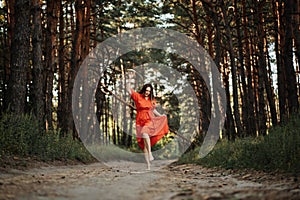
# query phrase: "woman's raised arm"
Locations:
[[128, 88]]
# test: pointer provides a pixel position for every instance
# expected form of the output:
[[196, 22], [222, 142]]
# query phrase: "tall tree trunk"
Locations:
[[288, 59], [217, 42], [84, 51], [217, 97], [229, 121], [19, 57], [269, 89], [233, 71], [198, 82], [255, 78], [7, 51], [62, 79], [85, 43], [99, 98], [50, 59], [296, 25], [250, 93], [75, 61], [277, 14], [93, 21], [38, 67], [244, 92], [261, 70]]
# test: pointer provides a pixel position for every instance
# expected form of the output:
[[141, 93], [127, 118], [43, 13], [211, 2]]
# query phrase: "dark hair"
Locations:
[[143, 90]]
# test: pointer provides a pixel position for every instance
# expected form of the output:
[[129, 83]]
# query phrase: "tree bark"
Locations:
[[244, 92], [10, 17], [75, 61], [249, 75], [50, 59], [236, 110], [38, 67], [296, 25], [19, 57], [62, 71], [293, 103], [229, 121], [262, 128], [269, 88], [278, 28]]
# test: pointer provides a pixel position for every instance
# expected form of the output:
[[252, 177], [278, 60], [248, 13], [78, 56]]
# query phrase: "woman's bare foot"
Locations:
[[151, 157]]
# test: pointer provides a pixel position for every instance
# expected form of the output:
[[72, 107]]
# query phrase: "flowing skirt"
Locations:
[[155, 127]]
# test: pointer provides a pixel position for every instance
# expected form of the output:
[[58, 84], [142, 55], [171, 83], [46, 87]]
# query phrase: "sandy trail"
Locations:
[[129, 181]]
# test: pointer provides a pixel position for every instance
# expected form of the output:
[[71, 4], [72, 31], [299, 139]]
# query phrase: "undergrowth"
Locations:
[[20, 137], [277, 151]]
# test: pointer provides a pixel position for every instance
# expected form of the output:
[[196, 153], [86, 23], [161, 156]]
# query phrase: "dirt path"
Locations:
[[128, 181]]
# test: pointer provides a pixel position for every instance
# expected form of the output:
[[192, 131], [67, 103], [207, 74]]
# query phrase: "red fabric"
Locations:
[[146, 122]]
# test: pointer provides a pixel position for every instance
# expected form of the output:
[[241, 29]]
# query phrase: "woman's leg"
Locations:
[[147, 158], [147, 149]]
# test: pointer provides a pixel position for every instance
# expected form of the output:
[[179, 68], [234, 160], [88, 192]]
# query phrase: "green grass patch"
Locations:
[[279, 150], [20, 137]]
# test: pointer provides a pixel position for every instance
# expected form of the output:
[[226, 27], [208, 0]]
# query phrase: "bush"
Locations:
[[282, 146], [55, 147], [20, 136], [279, 150]]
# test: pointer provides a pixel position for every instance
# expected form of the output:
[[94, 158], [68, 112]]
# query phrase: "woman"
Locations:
[[151, 126]]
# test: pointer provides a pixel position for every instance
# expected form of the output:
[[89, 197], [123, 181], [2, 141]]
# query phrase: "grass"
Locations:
[[22, 142], [277, 151], [20, 138]]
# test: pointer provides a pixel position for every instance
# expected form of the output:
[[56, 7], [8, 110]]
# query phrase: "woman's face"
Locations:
[[147, 92]]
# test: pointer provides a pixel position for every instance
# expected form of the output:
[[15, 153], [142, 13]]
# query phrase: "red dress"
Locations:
[[146, 122]]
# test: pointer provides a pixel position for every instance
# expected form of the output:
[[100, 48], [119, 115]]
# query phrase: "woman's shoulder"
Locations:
[[135, 95]]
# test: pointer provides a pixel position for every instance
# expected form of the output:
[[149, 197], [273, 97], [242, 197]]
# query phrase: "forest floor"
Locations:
[[128, 180]]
